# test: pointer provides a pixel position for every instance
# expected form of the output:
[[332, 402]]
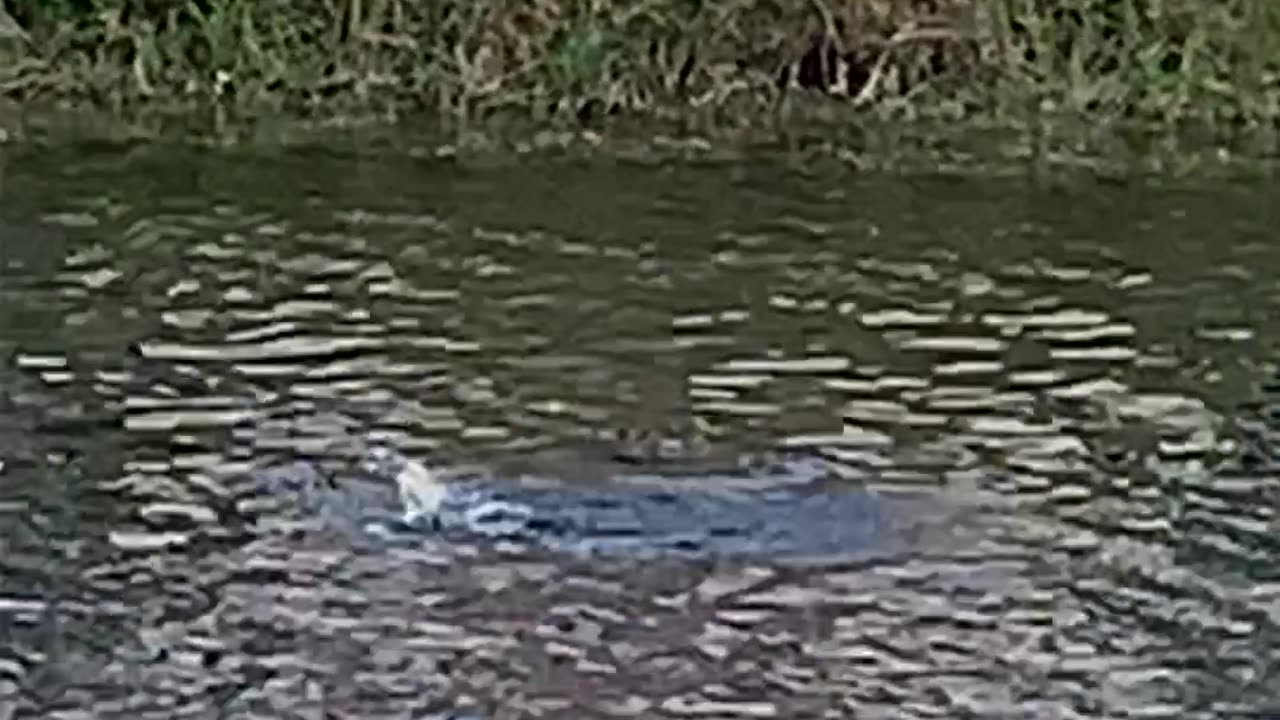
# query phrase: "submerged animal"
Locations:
[[789, 506], [610, 506]]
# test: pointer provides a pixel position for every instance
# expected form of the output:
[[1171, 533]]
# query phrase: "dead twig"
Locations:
[[902, 37]]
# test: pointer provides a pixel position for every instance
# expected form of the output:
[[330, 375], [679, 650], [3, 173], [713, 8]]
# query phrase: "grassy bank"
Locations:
[[1163, 64]]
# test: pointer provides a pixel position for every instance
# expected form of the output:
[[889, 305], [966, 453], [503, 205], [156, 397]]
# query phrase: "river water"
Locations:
[[1067, 392]]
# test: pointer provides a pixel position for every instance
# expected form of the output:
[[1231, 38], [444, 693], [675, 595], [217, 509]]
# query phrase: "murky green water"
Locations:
[[1075, 387]]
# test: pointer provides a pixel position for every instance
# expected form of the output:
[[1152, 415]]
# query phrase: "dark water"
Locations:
[[1067, 393]]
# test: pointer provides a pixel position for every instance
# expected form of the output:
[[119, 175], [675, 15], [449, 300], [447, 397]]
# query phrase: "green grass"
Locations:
[[1165, 65]]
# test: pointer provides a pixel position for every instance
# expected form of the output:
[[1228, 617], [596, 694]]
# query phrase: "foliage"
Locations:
[[1156, 62]]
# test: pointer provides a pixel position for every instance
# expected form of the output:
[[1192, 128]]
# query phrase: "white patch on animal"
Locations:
[[421, 492]]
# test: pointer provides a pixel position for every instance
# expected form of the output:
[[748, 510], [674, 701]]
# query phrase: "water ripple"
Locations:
[[1069, 399]]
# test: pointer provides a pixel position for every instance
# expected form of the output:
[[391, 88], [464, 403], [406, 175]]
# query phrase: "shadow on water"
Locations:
[[1065, 398]]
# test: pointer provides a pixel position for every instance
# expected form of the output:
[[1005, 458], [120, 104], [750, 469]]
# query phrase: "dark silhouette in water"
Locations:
[[782, 508]]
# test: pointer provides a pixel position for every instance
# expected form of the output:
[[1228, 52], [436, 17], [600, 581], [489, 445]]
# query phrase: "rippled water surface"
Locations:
[[1065, 396]]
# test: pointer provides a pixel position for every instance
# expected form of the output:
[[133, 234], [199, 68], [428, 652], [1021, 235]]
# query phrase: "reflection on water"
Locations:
[[1067, 396]]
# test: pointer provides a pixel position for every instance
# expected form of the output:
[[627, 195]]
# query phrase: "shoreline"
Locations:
[[1104, 88], [1050, 149]]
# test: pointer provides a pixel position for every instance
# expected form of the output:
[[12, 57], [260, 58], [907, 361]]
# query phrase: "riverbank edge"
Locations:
[[878, 83], [1063, 147]]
